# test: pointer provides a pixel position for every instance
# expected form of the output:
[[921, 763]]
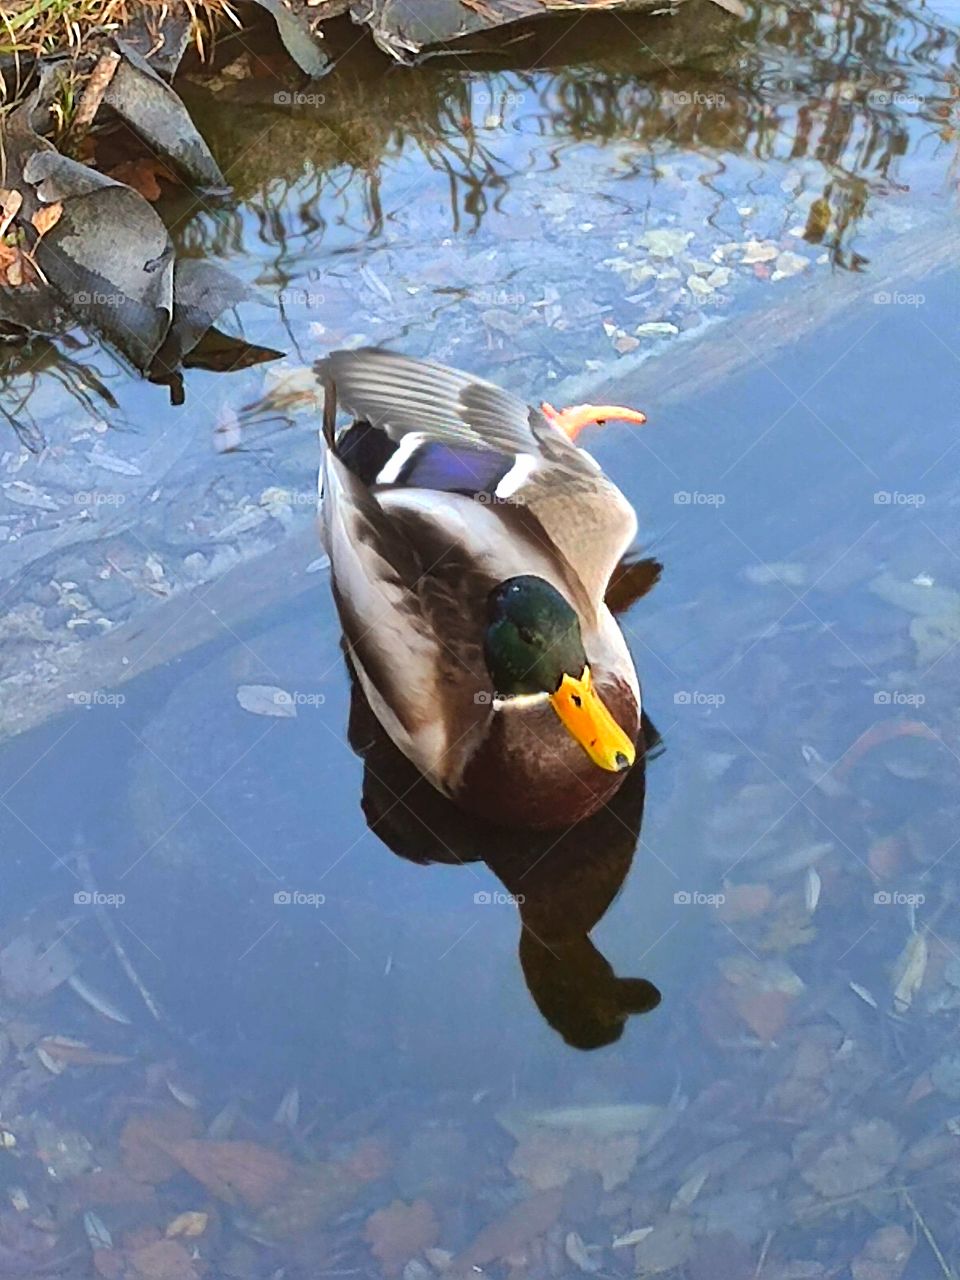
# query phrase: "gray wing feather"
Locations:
[[581, 514], [401, 395]]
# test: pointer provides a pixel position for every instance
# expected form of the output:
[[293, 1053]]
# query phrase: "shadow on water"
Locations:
[[562, 884], [189, 822]]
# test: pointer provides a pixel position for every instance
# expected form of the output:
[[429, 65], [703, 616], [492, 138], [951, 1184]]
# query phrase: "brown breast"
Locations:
[[530, 772]]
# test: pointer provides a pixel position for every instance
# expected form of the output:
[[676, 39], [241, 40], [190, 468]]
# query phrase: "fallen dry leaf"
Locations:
[[47, 216], [399, 1232], [17, 266], [142, 175], [10, 202], [15, 272]]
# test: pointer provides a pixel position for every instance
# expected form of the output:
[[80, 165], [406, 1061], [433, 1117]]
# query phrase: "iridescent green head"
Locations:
[[533, 646], [533, 639]]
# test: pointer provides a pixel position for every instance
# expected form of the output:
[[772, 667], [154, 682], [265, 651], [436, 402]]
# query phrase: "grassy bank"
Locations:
[[35, 28]]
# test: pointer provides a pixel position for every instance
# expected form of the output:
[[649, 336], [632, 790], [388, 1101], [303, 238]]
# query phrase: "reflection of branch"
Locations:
[[79, 381], [479, 169], [28, 433], [801, 87]]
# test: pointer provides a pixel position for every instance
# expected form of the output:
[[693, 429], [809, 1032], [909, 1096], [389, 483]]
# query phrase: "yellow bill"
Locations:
[[586, 718]]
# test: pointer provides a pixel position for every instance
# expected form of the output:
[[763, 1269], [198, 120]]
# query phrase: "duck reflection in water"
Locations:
[[563, 884]]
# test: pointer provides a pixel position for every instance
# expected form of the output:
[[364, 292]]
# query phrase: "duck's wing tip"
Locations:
[[400, 394]]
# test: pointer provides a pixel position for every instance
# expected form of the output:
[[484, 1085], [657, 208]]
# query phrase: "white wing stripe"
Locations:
[[390, 472], [516, 477]]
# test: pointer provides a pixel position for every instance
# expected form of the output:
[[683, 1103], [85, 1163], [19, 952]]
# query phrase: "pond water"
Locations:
[[337, 993]]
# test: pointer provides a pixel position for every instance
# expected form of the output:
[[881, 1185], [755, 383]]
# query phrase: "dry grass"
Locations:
[[32, 28]]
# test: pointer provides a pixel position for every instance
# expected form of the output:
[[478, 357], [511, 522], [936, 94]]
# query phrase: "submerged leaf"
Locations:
[[631, 1238], [909, 971], [163, 1260], [580, 1255], [233, 1171], [144, 1140], [811, 889], [288, 1111], [183, 1096], [67, 1052], [667, 1247], [594, 1121], [521, 1225], [864, 995], [33, 966], [884, 1256], [96, 1000], [266, 700], [97, 1231], [189, 1225], [945, 1075], [850, 1162], [399, 1232], [744, 901], [548, 1158]]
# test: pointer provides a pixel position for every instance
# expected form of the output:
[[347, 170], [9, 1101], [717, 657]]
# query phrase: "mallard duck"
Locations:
[[471, 542]]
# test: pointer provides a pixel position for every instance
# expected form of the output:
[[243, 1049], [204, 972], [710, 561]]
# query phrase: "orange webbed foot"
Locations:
[[571, 421]]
